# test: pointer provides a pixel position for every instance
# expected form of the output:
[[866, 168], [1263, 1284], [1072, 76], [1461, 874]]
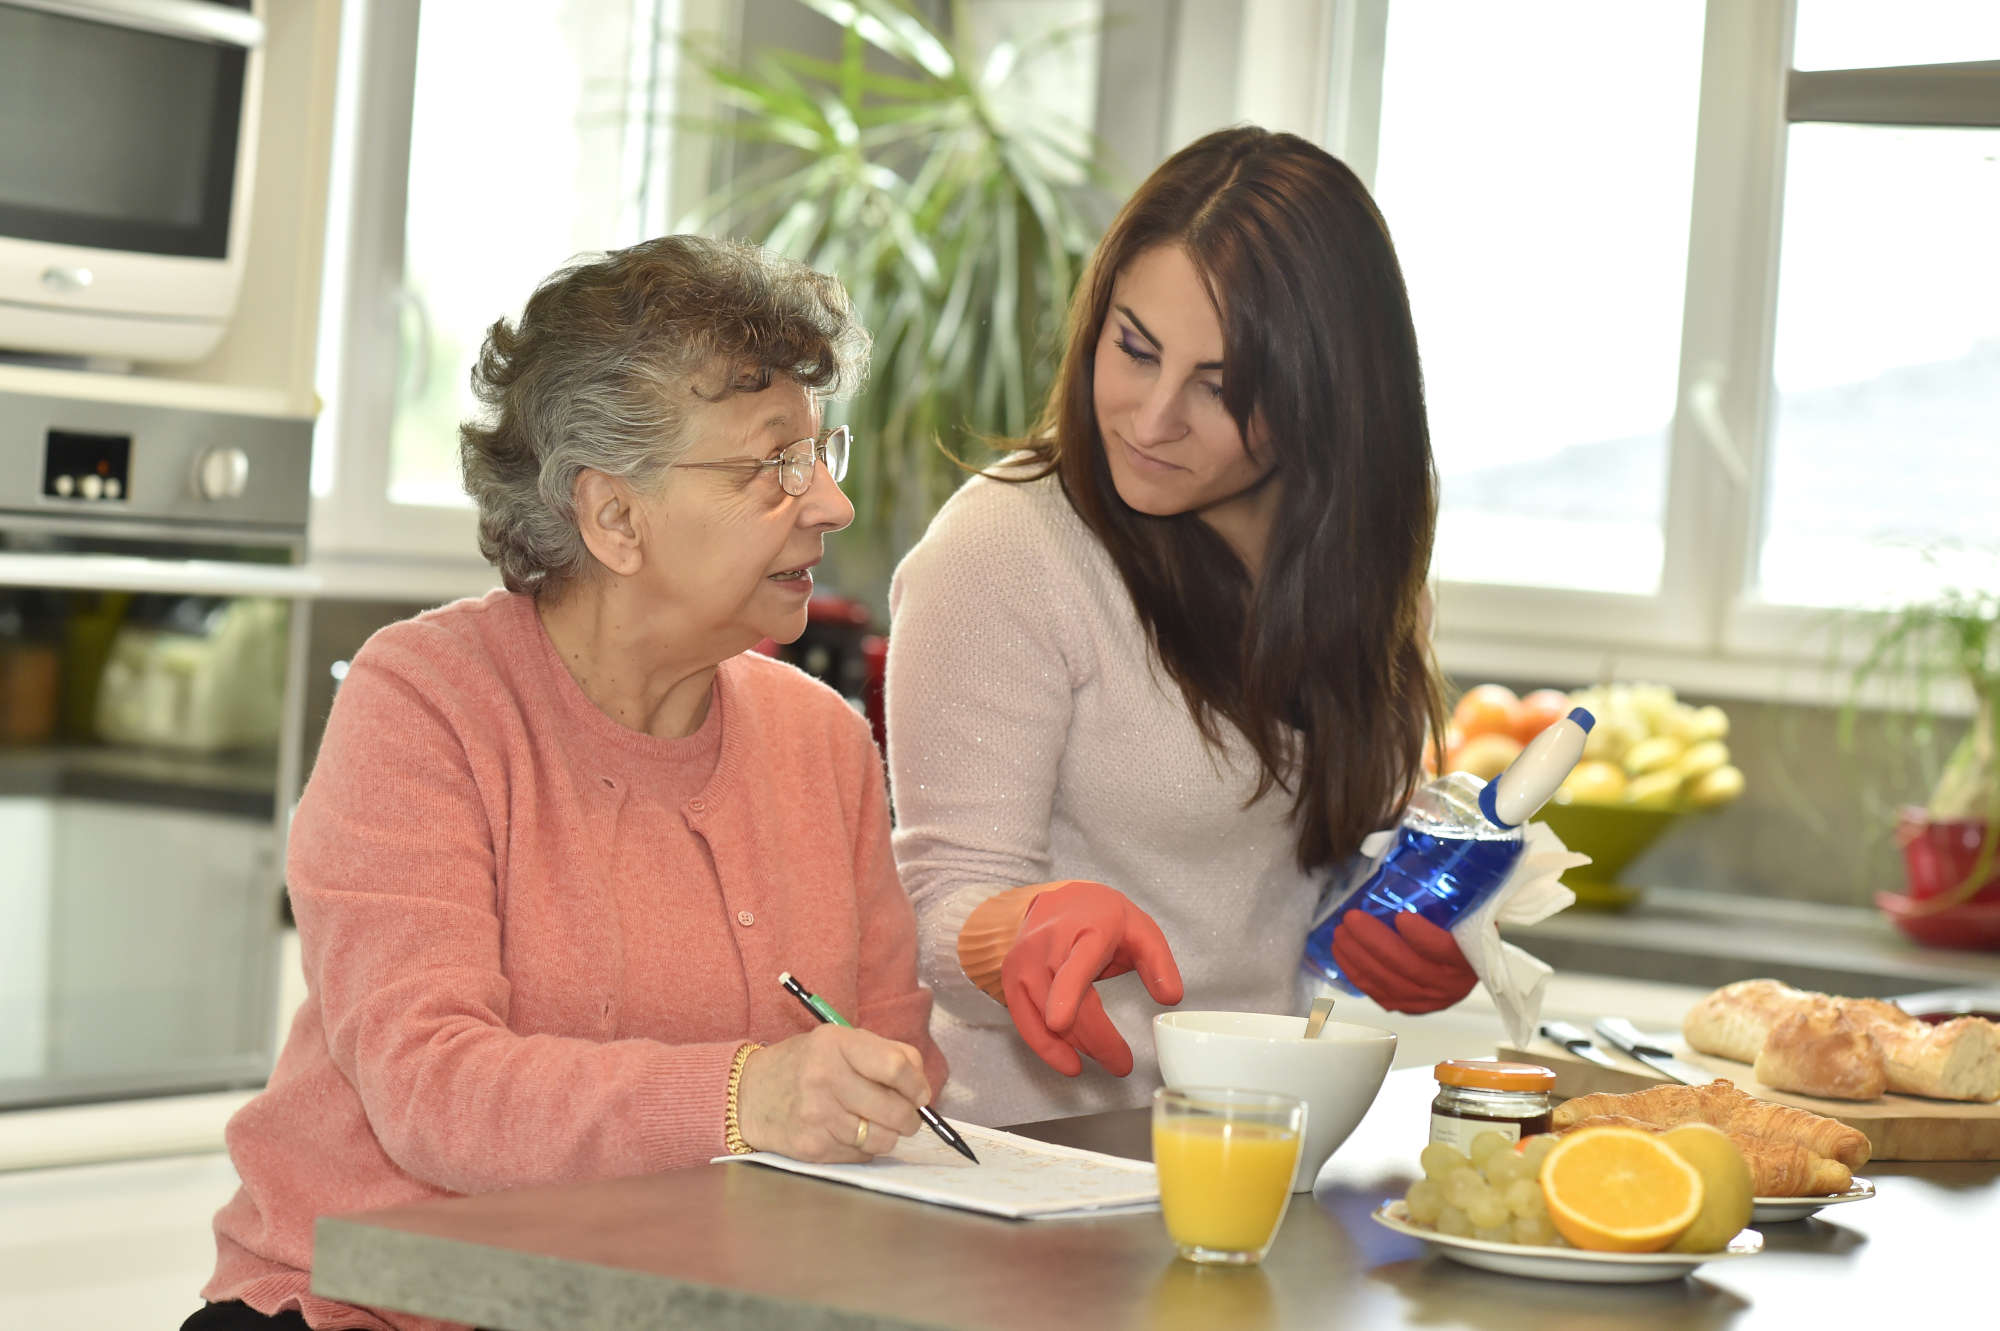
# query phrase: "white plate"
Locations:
[[1601, 1268], [1777, 1210]]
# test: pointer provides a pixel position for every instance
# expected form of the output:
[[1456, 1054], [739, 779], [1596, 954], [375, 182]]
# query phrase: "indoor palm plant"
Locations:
[[960, 232], [1951, 845]]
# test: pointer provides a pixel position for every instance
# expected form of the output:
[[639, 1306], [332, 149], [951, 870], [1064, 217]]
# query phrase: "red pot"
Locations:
[[1939, 856]]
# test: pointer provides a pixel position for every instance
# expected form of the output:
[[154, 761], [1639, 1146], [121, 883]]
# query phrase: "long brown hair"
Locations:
[[1330, 640]]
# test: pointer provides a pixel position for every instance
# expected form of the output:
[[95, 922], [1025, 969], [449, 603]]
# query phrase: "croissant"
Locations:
[[1719, 1103], [1777, 1168]]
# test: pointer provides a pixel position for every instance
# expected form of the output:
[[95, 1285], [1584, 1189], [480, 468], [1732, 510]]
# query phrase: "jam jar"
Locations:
[[1478, 1095]]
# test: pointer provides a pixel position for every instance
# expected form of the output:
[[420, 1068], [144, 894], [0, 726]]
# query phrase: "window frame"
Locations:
[[355, 518]]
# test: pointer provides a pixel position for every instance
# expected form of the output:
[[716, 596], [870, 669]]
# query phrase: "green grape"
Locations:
[[1463, 1186], [1524, 1198], [1536, 1149], [1440, 1158], [1425, 1200], [1501, 1233], [1504, 1167], [1454, 1222], [1485, 1144], [1488, 1212], [1534, 1230]]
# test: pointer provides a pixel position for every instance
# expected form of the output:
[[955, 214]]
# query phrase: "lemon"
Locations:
[[1725, 1186], [1718, 787]]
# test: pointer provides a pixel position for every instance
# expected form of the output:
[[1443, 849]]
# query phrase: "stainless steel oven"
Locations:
[[152, 611]]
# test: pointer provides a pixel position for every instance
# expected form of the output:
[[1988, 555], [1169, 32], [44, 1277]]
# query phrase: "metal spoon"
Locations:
[[1322, 1008]]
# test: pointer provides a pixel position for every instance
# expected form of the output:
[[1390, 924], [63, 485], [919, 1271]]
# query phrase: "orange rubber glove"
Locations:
[[1415, 967], [1071, 937]]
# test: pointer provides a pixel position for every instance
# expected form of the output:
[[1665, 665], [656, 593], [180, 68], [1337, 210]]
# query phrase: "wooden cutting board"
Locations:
[[1899, 1127]]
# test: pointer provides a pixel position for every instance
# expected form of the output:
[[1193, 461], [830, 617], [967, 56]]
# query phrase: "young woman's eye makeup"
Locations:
[[1129, 343]]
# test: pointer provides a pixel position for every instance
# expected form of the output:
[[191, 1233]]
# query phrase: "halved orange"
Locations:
[[1619, 1190]]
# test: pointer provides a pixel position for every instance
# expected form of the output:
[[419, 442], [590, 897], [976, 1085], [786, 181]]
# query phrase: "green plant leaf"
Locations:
[[958, 237], [891, 28]]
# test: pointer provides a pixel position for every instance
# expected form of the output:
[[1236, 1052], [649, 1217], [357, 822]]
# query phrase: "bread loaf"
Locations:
[[1817, 1044], [1958, 1060], [1818, 1049], [1733, 1021]]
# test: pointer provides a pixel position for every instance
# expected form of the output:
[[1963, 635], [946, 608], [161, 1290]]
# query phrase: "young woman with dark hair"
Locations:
[[1153, 678]]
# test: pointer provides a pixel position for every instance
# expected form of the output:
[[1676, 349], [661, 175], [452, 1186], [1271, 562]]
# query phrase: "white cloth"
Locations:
[[1030, 740], [1515, 979]]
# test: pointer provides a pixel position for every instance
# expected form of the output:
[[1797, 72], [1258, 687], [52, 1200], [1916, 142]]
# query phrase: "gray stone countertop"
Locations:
[[1705, 939]]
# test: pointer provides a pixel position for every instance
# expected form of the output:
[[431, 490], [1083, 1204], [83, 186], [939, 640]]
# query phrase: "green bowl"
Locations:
[[1612, 835]]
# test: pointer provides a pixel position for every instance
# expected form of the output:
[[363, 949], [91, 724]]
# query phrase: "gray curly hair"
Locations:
[[600, 372]]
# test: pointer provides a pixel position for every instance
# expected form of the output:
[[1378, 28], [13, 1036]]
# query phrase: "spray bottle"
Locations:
[[1459, 840]]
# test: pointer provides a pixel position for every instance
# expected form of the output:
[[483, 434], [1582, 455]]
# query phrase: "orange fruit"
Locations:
[[1485, 756], [1486, 709], [1538, 711], [1619, 1190]]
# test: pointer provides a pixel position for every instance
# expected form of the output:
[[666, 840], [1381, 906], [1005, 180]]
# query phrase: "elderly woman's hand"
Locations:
[[834, 1093]]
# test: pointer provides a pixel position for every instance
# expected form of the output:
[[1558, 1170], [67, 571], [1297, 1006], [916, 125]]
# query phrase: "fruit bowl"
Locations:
[[1612, 835]]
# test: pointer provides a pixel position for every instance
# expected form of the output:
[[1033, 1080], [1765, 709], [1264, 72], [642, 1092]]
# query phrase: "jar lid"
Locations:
[[1490, 1074]]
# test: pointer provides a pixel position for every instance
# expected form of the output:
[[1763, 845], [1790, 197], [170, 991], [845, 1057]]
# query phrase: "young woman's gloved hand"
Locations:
[[1041, 949], [1415, 967]]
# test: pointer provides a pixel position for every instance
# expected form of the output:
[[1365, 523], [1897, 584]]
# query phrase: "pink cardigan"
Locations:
[[534, 939]]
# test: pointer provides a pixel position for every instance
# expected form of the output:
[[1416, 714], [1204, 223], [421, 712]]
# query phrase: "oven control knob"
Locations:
[[91, 486], [222, 473], [65, 485]]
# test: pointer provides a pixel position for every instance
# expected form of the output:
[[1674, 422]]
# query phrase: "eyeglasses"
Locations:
[[795, 461]]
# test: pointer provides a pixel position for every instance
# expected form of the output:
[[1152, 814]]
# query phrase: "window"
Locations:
[[482, 146], [1709, 309], [1885, 428], [1546, 255]]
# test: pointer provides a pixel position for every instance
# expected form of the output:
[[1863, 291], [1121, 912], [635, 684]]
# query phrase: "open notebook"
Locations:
[[1016, 1177]]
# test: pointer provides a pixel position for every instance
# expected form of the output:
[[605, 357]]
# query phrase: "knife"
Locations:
[[1650, 1051], [1577, 1042]]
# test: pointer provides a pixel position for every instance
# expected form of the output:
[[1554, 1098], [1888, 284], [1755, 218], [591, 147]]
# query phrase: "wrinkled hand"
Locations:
[[806, 1096], [1072, 937], [1415, 967]]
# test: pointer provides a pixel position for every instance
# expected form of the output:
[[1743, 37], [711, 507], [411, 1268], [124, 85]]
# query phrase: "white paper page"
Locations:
[[1016, 1177]]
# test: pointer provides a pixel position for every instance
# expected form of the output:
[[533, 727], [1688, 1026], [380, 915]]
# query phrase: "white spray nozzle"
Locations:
[[1512, 798]]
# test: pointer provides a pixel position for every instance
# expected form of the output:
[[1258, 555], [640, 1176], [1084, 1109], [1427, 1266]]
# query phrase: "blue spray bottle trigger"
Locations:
[[1511, 798]]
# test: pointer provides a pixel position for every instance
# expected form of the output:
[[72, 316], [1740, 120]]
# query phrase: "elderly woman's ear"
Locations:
[[607, 520]]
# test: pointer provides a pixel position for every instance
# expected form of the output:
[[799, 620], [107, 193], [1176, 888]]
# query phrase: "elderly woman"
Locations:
[[560, 841]]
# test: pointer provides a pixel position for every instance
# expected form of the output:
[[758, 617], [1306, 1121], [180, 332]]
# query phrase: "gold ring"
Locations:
[[861, 1136]]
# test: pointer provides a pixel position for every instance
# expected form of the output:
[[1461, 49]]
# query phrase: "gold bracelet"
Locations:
[[732, 1128]]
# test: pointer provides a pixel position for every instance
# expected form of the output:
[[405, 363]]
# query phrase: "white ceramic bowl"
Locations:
[[1337, 1075]]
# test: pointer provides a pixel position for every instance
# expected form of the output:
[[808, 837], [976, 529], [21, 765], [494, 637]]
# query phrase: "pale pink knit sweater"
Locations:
[[534, 939]]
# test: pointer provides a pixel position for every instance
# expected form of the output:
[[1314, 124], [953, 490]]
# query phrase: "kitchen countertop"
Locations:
[[1707, 939], [1667, 952], [738, 1246]]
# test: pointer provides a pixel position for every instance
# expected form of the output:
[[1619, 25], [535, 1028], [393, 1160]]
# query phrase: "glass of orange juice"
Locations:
[[1225, 1160]]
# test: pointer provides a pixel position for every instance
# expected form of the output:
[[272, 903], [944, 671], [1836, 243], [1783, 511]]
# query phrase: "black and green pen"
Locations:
[[822, 1009]]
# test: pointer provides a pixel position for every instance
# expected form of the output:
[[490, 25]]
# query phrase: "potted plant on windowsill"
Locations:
[[1950, 844]]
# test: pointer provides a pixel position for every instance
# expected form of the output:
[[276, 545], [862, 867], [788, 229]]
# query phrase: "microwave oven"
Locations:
[[127, 133]]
